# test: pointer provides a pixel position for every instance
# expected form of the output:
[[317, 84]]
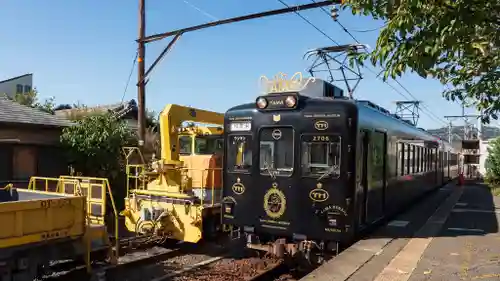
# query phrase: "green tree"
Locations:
[[455, 41], [492, 164], [31, 99], [94, 145]]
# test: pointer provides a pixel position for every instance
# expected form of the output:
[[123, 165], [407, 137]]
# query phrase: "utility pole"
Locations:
[[141, 69], [142, 73]]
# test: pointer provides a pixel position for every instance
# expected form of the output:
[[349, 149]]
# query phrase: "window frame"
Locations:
[[259, 133], [190, 145], [309, 175], [19, 86], [228, 144], [215, 138]]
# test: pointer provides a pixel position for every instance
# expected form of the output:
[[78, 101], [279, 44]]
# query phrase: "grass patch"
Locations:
[[494, 189]]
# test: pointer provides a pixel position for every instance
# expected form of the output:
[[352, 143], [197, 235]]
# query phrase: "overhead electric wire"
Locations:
[[425, 110], [129, 76]]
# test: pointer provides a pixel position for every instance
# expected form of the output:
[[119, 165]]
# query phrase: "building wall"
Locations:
[[10, 87], [27, 152], [483, 149]]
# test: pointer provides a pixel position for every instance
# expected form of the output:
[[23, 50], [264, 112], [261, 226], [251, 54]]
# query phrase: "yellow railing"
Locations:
[[94, 189], [136, 177]]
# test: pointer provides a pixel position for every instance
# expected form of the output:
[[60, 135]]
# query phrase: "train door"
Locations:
[[363, 179], [375, 150], [274, 184]]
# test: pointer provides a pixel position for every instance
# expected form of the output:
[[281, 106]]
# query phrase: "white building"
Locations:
[[483, 148], [19, 84]]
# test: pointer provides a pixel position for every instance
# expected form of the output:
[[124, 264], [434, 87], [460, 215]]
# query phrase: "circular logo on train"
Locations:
[[274, 202], [238, 187]]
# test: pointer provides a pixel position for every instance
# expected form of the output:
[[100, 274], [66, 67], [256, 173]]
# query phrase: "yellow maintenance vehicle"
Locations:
[[178, 196], [53, 219]]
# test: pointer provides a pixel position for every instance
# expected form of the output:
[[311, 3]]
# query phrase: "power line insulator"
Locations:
[[334, 13]]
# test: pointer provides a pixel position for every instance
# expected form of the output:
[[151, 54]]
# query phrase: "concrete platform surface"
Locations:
[[468, 245], [452, 234], [369, 256]]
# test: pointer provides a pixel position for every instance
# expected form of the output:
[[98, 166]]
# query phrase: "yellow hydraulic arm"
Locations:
[[171, 119]]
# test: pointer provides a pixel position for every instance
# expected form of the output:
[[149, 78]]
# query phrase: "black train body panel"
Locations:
[[326, 168]]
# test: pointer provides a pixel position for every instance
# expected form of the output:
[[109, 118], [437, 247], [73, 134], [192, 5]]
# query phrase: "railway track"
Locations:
[[216, 261], [157, 260]]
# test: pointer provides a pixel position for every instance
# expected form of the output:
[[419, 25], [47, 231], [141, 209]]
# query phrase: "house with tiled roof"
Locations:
[[29, 142], [127, 111]]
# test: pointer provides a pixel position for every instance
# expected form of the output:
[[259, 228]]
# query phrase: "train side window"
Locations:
[[185, 145], [276, 151], [239, 153], [407, 159], [422, 162], [401, 148], [417, 159], [321, 155], [410, 159]]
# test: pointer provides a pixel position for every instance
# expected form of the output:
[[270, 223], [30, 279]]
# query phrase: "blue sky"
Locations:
[[83, 51]]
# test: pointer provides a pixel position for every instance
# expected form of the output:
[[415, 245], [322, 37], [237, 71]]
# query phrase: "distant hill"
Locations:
[[489, 132]]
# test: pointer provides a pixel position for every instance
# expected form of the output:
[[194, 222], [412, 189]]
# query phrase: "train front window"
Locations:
[[321, 156], [185, 145], [205, 145], [276, 151], [239, 153]]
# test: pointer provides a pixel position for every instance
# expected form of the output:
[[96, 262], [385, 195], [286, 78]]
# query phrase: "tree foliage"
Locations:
[[492, 164], [31, 99], [94, 145], [455, 41]]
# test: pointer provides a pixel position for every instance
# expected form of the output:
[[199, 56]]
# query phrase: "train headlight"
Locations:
[[261, 103], [290, 101]]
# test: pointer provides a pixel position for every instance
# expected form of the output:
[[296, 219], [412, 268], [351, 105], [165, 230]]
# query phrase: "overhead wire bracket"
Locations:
[[335, 62]]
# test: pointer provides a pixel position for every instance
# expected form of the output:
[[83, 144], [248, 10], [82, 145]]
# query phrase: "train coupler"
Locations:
[[278, 249]]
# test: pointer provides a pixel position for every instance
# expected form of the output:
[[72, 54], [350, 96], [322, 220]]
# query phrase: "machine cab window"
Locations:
[[205, 145], [239, 153], [276, 151], [185, 145], [321, 155], [202, 145]]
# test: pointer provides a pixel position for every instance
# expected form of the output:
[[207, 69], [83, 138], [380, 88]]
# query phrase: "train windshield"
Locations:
[[239, 153], [185, 145], [321, 156], [276, 151], [208, 145]]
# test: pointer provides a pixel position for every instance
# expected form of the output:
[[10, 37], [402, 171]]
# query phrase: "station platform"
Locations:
[[452, 234]]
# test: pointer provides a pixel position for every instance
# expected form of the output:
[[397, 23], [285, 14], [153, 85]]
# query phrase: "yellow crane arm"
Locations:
[[171, 119]]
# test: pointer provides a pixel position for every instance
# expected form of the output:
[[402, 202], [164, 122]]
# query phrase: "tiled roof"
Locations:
[[121, 109], [12, 112]]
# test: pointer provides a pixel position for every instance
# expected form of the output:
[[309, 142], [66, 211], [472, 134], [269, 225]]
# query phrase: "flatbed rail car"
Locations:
[[62, 221], [37, 227]]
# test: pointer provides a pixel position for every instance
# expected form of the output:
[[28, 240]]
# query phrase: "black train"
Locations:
[[309, 169]]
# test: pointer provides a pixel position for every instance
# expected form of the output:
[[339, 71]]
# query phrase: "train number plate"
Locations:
[[55, 203]]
